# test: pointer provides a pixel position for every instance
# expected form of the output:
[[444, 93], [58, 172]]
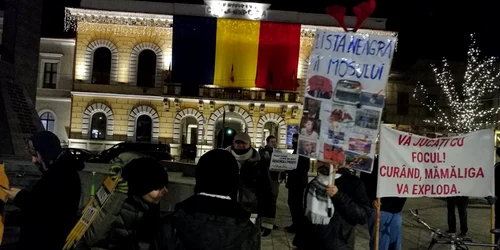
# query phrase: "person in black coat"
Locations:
[[49, 210], [351, 208], [212, 218], [296, 185], [391, 218], [134, 222]]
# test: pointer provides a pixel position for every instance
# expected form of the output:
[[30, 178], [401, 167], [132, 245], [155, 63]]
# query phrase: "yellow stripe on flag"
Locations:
[[236, 53]]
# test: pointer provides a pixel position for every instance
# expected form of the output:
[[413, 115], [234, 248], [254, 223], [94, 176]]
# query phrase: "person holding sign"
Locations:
[[49, 210], [333, 211], [255, 192]]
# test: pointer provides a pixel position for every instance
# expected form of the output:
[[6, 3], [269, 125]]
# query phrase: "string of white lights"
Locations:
[[463, 111]]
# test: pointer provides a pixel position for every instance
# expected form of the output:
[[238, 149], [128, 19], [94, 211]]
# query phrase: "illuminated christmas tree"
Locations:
[[464, 97]]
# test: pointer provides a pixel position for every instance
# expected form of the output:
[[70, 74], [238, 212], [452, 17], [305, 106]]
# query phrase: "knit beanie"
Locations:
[[217, 173], [47, 145], [144, 175]]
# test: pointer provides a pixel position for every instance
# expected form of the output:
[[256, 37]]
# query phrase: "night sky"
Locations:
[[427, 29]]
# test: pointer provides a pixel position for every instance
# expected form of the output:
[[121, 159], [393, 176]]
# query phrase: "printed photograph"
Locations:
[[334, 154], [310, 127], [372, 100], [323, 167], [362, 161], [340, 120], [360, 145], [347, 92], [319, 87], [307, 147], [312, 108], [367, 118]]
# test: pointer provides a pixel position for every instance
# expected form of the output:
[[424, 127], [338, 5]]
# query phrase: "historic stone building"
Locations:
[[125, 57]]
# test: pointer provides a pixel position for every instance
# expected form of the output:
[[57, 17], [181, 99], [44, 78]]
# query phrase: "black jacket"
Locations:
[[49, 210], [255, 192], [266, 154], [130, 225], [388, 204], [206, 223], [299, 178], [351, 209]]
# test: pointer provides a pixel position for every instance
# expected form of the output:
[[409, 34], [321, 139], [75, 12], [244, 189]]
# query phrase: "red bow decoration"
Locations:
[[362, 11]]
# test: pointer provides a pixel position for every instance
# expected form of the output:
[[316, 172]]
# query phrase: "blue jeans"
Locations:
[[390, 233]]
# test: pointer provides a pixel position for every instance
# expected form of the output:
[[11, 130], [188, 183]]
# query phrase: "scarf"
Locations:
[[242, 158], [319, 207]]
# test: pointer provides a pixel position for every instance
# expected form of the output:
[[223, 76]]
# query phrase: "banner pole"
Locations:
[[377, 224], [492, 217]]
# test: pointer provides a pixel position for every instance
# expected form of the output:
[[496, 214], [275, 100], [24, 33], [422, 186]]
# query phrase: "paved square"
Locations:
[[433, 211]]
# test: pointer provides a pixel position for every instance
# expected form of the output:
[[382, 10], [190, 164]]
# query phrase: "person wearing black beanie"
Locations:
[[212, 218], [50, 208], [136, 225]]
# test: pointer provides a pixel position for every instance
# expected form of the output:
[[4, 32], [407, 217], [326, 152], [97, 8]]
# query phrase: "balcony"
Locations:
[[206, 92], [214, 92]]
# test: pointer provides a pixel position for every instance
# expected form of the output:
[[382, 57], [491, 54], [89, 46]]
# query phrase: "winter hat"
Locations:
[[47, 145], [217, 173], [244, 137], [144, 175]]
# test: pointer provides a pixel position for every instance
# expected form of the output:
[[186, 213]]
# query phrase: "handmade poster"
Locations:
[[282, 161], [417, 166], [4, 183], [345, 93]]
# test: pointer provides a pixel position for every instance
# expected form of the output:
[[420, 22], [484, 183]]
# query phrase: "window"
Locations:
[[270, 128], [50, 75], [48, 121], [146, 70], [189, 130], [98, 126], [403, 103], [101, 67], [144, 128]]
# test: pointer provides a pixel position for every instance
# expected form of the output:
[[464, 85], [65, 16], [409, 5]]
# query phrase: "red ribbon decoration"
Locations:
[[362, 11]]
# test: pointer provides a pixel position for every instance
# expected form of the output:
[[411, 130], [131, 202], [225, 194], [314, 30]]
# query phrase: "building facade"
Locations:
[[137, 76]]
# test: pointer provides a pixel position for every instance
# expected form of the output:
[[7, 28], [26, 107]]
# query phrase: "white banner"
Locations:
[[416, 166], [344, 97], [281, 161]]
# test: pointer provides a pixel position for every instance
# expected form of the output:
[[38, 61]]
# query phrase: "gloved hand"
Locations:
[[491, 200], [265, 231]]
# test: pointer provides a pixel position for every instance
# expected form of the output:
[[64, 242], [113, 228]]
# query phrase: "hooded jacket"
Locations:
[[351, 209], [255, 192], [49, 210]]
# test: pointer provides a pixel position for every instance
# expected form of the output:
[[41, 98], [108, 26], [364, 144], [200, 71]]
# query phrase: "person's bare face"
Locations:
[[272, 143], [240, 145], [155, 196], [309, 125], [312, 106], [321, 85]]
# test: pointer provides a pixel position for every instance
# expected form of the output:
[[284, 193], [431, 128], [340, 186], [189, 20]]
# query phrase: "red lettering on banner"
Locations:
[[428, 157], [404, 140], [436, 143], [454, 173], [402, 172], [402, 188], [434, 189]]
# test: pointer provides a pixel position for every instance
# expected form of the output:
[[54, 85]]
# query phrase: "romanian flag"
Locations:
[[235, 53]]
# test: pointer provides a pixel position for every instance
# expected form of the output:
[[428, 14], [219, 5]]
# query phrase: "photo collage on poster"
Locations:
[[340, 122]]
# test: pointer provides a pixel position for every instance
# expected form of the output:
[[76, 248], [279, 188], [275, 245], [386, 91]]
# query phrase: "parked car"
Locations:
[[158, 151], [80, 154]]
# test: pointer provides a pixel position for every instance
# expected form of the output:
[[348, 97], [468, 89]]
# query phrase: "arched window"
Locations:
[[101, 66], [189, 130], [48, 121], [270, 128], [144, 128], [146, 70], [98, 126]]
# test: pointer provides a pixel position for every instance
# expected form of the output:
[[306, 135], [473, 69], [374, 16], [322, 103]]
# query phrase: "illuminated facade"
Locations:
[[133, 80]]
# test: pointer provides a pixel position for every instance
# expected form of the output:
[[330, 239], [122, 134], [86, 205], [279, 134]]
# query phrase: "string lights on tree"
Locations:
[[464, 97]]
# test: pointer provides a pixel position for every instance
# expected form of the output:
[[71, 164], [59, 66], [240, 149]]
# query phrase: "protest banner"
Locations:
[[281, 161], [417, 166], [344, 97]]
